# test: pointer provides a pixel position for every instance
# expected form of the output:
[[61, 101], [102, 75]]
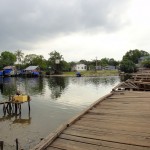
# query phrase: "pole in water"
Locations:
[[1, 145], [29, 103], [17, 148]]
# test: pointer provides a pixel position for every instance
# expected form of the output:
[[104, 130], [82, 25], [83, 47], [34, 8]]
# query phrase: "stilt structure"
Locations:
[[13, 105]]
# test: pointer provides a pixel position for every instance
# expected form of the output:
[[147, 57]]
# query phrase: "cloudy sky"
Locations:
[[78, 29]]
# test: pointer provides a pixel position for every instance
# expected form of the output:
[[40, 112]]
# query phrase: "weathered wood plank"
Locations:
[[102, 143], [107, 130], [112, 137], [140, 124], [146, 115], [114, 126], [53, 148], [117, 118], [73, 145]]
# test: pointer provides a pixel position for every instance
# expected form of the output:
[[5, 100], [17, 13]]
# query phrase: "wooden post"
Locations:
[[1, 145], [19, 108], [29, 105], [16, 108], [17, 148], [4, 109]]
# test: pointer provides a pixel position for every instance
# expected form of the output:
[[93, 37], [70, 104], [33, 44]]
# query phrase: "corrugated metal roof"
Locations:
[[9, 67], [31, 68]]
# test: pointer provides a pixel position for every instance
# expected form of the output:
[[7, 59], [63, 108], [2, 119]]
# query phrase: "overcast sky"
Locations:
[[78, 29]]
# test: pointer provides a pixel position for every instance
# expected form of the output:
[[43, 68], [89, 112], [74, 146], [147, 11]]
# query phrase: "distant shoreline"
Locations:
[[100, 73]]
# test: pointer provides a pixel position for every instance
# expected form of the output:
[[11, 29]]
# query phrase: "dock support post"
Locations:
[[16, 108], [17, 148], [1, 145], [29, 105]]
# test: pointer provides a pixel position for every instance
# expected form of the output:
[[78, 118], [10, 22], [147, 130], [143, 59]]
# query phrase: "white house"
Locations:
[[79, 67]]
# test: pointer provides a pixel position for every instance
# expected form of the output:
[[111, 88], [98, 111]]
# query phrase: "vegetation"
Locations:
[[134, 55], [93, 73], [7, 58], [127, 66], [56, 63], [130, 59], [146, 63]]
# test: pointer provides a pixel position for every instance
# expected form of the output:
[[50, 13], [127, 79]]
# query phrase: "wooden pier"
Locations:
[[117, 121]]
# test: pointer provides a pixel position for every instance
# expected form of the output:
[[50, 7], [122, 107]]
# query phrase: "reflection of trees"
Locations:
[[57, 86], [33, 86], [30, 86], [105, 81], [8, 86]]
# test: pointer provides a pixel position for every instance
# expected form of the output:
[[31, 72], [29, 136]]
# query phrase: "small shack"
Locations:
[[9, 71], [32, 71]]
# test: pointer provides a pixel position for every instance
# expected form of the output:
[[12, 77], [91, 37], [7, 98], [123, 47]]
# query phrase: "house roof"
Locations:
[[9, 67], [31, 68]]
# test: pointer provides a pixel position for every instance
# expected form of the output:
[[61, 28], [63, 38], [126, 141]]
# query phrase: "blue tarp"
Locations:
[[7, 71], [35, 73], [1, 73]]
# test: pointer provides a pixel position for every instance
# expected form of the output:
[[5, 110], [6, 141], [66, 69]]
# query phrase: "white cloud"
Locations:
[[78, 29]]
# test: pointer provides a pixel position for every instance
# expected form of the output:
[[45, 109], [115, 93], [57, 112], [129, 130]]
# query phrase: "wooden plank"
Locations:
[[121, 114], [73, 145], [128, 123], [114, 126], [102, 143], [53, 148], [142, 112], [119, 138], [109, 130], [119, 119]]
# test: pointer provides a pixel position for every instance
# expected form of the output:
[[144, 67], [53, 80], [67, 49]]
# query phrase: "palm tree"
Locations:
[[19, 55]]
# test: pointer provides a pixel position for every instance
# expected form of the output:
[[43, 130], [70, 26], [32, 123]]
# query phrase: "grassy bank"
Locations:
[[94, 73]]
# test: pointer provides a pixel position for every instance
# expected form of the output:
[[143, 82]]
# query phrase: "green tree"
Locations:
[[40, 61], [19, 55], [134, 55], [7, 58], [104, 62], [56, 66], [66, 66], [146, 63], [28, 60], [35, 60], [113, 62], [127, 66]]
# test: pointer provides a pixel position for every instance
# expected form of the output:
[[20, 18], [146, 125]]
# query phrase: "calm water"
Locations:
[[54, 101]]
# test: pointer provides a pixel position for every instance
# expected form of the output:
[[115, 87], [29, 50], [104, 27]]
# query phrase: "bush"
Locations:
[[127, 66]]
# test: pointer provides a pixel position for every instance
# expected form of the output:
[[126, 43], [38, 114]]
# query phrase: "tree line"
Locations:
[[21, 61]]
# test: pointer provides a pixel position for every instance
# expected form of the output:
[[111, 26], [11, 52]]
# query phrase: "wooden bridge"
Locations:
[[118, 121]]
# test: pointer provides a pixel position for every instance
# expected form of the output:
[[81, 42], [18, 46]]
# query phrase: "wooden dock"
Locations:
[[118, 121]]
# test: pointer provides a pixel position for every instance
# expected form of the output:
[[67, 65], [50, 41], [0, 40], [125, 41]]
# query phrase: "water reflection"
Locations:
[[8, 86], [57, 86], [16, 119], [31, 86], [96, 81]]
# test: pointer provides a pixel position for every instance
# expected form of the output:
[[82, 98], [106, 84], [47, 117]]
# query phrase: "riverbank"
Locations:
[[92, 73]]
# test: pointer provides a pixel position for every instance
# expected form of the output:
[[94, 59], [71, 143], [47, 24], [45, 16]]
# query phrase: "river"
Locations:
[[54, 100]]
